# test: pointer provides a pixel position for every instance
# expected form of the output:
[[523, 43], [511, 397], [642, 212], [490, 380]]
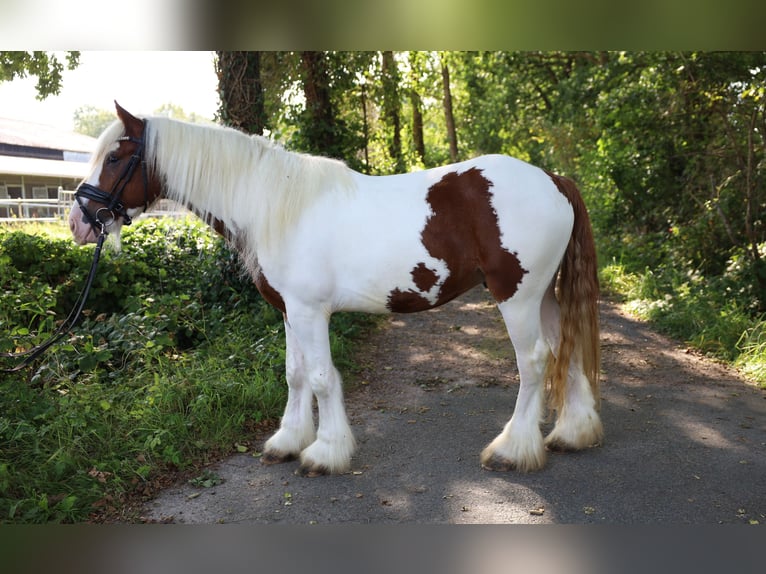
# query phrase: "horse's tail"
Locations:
[[578, 294]]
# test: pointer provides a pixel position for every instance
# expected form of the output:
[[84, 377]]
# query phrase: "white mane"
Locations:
[[256, 188]]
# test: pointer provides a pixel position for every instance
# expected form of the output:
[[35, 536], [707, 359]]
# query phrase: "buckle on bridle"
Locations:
[[109, 220]]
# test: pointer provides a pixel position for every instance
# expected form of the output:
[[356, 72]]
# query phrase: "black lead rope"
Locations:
[[69, 322], [102, 219]]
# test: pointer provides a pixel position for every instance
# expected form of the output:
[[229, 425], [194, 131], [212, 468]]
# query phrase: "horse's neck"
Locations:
[[247, 189], [210, 184]]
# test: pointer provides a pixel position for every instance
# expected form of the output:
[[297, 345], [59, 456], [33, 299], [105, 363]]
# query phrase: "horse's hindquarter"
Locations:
[[535, 219], [414, 241]]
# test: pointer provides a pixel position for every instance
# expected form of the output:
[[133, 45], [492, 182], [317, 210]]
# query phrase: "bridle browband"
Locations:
[[103, 218], [113, 206]]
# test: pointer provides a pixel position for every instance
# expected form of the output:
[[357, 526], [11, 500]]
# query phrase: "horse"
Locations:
[[318, 237]]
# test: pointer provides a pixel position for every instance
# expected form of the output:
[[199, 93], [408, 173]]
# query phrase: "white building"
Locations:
[[36, 161]]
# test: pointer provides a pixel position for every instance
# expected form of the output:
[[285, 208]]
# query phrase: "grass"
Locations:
[[704, 313], [177, 363]]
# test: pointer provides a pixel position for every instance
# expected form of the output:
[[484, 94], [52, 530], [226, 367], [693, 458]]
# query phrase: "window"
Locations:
[[4, 210], [40, 208]]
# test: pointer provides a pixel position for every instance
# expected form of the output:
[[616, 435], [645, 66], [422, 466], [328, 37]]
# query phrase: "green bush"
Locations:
[[177, 358], [716, 315]]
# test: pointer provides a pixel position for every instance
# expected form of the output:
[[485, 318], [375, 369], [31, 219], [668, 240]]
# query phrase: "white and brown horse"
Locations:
[[318, 238]]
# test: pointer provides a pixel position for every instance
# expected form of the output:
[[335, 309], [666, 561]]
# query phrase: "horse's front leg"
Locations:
[[331, 452], [296, 430]]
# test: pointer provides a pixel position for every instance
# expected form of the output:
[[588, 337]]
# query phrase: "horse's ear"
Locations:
[[133, 126]]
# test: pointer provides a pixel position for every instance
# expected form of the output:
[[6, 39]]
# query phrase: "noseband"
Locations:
[[113, 206]]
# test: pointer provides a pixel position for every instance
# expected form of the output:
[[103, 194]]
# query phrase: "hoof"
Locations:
[[312, 471], [561, 441], [498, 464], [560, 446], [521, 461], [269, 458]]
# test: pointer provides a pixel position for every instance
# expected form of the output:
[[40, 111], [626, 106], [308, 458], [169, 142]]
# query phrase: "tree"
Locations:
[[241, 90], [328, 118], [46, 66], [92, 121], [448, 114], [320, 129], [390, 80], [413, 86]]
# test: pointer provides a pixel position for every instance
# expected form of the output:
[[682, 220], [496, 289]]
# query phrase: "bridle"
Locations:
[[103, 218], [113, 206]]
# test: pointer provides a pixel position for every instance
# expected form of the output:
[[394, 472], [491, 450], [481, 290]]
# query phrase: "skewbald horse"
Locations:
[[318, 238]]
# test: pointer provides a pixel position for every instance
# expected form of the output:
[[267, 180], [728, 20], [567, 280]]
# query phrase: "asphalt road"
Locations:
[[685, 440]]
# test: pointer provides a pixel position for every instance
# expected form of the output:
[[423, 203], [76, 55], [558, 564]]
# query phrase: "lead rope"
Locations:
[[69, 322]]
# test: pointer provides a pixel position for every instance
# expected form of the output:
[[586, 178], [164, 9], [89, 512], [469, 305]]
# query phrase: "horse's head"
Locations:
[[120, 186]]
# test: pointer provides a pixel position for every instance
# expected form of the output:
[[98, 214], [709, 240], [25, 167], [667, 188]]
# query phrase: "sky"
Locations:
[[141, 81]]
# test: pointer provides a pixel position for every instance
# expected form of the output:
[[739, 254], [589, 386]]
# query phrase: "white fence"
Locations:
[[57, 209]]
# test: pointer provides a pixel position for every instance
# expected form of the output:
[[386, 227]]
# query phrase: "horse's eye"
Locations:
[[111, 158]]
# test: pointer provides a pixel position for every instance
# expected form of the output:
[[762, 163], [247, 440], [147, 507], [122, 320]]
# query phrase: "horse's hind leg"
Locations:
[[296, 430], [520, 445], [578, 424]]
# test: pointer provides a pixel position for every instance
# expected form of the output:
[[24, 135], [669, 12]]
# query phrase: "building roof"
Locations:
[[28, 134], [42, 167]]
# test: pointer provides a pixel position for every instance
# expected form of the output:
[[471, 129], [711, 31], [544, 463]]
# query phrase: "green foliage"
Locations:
[[714, 315], [92, 121], [177, 358], [46, 66]]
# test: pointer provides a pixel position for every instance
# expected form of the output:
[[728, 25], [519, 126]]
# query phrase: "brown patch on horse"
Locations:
[[424, 277], [407, 301], [219, 227], [268, 292], [463, 232]]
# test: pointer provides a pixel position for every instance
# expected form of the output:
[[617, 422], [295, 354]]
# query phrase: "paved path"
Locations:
[[685, 439]]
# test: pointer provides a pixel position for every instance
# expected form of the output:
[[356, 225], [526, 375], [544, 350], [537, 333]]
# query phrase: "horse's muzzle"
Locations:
[[82, 230]]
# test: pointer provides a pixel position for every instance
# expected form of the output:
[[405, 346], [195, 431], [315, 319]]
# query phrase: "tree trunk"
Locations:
[[448, 116], [391, 110], [417, 126], [320, 129], [365, 129], [241, 91]]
